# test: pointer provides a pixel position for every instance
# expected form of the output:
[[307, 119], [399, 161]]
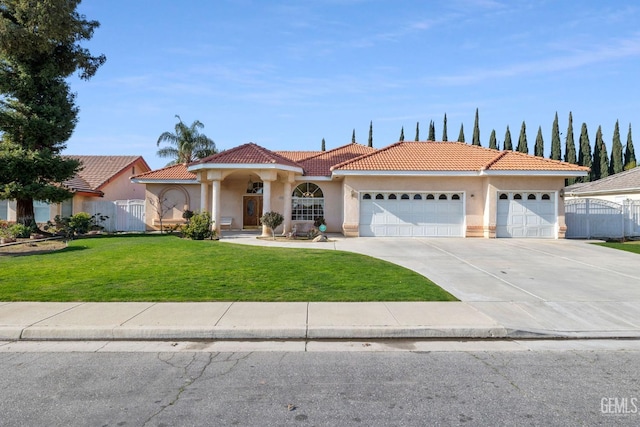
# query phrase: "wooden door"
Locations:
[[252, 208]]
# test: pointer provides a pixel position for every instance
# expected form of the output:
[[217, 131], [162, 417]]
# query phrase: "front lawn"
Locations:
[[626, 246], [167, 268]]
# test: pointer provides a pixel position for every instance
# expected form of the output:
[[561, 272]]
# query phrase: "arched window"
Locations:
[[430, 197], [379, 196], [392, 196], [504, 196], [405, 197], [366, 196], [531, 197], [455, 197], [417, 197], [442, 197], [307, 202], [546, 197], [517, 196]]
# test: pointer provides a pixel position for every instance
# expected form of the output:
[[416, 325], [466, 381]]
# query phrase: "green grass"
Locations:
[[167, 268], [626, 246]]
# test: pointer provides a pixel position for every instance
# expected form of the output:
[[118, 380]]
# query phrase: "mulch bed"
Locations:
[[29, 247]]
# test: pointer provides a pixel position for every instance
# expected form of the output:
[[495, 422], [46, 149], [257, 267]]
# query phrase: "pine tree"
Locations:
[[444, 129], [584, 156], [432, 131], [353, 137], [617, 164], [570, 149], [629, 152], [556, 149], [461, 134], [508, 145], [600, 167], [417, 131], [370, 144], [476, 131], [323, 146], [492, 140], [538, 149], [523, 147], [401, 134]]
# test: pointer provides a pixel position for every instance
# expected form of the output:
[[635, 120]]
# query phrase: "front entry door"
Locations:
[[252, 206]]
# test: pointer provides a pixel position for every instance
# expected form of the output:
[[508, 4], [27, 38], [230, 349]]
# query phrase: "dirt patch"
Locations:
[[32, 248]]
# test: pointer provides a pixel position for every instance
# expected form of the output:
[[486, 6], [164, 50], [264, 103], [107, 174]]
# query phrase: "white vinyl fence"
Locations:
[[124, 215], [597, 218]]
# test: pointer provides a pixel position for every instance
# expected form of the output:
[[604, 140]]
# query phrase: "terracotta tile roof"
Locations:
[[98, 170], [79, 185], [247, 154], [320, 164], [451, 157], [175, 172], [298, 156], [627, 181]]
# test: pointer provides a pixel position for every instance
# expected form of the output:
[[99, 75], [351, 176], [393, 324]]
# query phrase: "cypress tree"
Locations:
[[538, 149], [508, 145], [323, 147], [570, 149], [401, 134], [523, 147], [417, 131], [353, 137], [556, 150], [617, 164], [629, 152], [600, 167], [584, 156], [476, 131], [432, 131], [461, 134], [370, 144], [444, 129], [492, 140]]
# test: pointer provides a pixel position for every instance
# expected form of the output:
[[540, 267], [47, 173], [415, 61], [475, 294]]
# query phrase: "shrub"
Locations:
[[272, 220], [199, 227], [20, 231], [80, 223]]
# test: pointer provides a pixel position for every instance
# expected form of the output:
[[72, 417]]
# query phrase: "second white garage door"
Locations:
[[386, 214], [526, 215]]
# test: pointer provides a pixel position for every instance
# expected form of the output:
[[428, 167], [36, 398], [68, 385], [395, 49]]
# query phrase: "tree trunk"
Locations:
[[24, 211]]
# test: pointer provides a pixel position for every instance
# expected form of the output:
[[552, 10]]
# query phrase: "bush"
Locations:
[[199, 227], [272, 220], [80, 223], [20, 231]]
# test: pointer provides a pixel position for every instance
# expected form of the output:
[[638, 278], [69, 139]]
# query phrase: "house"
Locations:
[[614, 188], [101, 178], [406, 189]]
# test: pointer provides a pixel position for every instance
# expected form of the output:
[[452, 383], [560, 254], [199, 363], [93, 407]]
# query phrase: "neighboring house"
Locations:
[[614, 188], [406, 189], [101, 178]]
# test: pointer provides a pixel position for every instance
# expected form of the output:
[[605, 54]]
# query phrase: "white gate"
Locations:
[[123, 215], [597, 218]]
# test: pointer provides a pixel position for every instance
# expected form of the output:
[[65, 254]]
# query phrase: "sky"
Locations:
[[285, 74]]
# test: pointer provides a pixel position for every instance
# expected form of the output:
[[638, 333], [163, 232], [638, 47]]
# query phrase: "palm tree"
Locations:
[[187, 143]]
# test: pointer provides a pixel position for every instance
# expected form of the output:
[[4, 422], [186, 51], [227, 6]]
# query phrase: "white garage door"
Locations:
[[526, 215], [386, 214]]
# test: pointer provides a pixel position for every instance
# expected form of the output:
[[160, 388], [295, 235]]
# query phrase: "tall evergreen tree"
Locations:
[[476, 131], [570, 149], [417, 131], [401, 134], [461, 134], [538, 149], [600, 168], [444, 129], [523, 147], [353, 137], [432, 131], [629, 152], [584, 156], [39, 49], [493, 143], [370, 144], [508, 145], [556, 149], [323, 147], [617, 161]]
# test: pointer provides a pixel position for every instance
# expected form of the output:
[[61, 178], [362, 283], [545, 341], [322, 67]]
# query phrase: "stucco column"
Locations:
[[204, 196], [266, 203], [215, 206], [286, 225]]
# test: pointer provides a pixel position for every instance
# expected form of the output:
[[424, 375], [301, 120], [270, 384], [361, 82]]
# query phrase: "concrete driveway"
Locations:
[[564, 287]]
